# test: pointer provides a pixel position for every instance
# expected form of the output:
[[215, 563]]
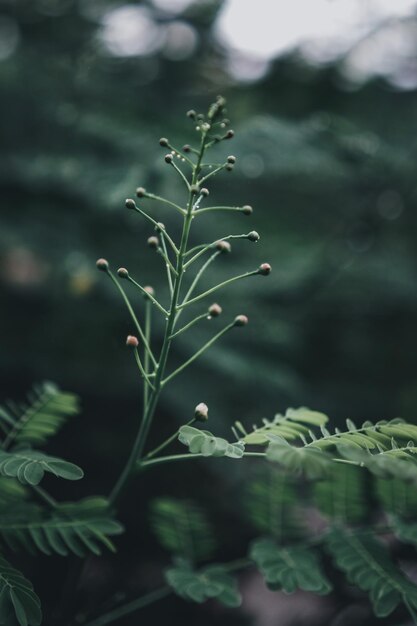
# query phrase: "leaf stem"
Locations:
[[216, 287], [130, 607], [198, 353], [133, 316], [189, 457], [167, 441]]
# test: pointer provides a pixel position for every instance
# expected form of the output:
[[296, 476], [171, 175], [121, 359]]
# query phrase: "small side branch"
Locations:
[[148, 295], [198, 353], [155, 223], [187, 326], [217, 287], [142, 370]]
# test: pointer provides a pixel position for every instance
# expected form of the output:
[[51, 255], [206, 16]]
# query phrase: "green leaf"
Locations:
[[290, 426], [289, 568], [397, 497], [17, 598], [38, 419], [182, 528], [78, 528], [308, 462], [209, 582], [393, 463], [366, 563], [341, 495], [29, 466], [205, 443], [271, 502]]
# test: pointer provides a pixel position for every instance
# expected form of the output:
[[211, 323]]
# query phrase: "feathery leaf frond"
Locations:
[[29, 466], [18, 601]]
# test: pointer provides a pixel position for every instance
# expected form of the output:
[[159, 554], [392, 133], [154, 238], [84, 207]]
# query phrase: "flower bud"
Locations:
[[230, 134], [140, 192], [223, 246], [163, 142], [153, 242], [264, 269], [201, 412], [247, 210], [214, 310], [186, 148], [149, 290], [231, 159], [122, 272], [191, 114], [241, 320], [204, 192], [195, 189], [160, 227], [130, 204], [132, 341], [168, 158], [253, 236], [102, 265], [229, 167]]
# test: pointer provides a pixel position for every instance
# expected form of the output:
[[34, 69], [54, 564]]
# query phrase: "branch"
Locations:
[[130, 607], [219, 286], [148, 295], [131, 204]]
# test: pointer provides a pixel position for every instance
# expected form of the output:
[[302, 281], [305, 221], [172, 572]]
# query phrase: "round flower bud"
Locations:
[[253, 236], [130, 204], [214, 310], [223, 246], [231, 159], [160, 227], [264, 269], [122, 272], [191, 114], [195, 189], [204, 192], [229, 167], [247, 209], [200, 117], [163, 142], [140, 192], [168, 158], [149, 290], [186, 148], [132, 341], [201, 412], [241, 320], [153, 242], [230, 134], [102, 265]]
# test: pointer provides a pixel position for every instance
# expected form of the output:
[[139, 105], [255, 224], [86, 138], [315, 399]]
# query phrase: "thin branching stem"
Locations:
[[216, 287], [167, 441], [133, 316], [218, 208], [130, 607], [158, 227], [203, 316], [153, 196], [142, 369], [150, 296], [181, 173], [146, 364], [212, 173], [198, 353], [173, 458], [199, 275], [182, 155], [202, 248], [45, 496]]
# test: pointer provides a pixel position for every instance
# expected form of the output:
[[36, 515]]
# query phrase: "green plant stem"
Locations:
[[148, 326], [181, 173], [166, 443], [411, 610], [216, 287], [140, 441], [199, 275], [182, 155], [194, 321], [145, 293], [168, 264], [213, 173], [189, 457], [130, 607], [152, 196], [45, 496], [219, 208], [198, 353], [133, 316], [141, 369], [156, 224], [202, 248]]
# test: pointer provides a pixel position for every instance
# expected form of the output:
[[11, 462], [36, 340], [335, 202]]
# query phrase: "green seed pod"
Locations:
[[163, 142], [102, 265], [253, 236], [130, 204]]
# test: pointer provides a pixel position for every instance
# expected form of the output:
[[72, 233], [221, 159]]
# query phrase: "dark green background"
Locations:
[[330, 172]]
